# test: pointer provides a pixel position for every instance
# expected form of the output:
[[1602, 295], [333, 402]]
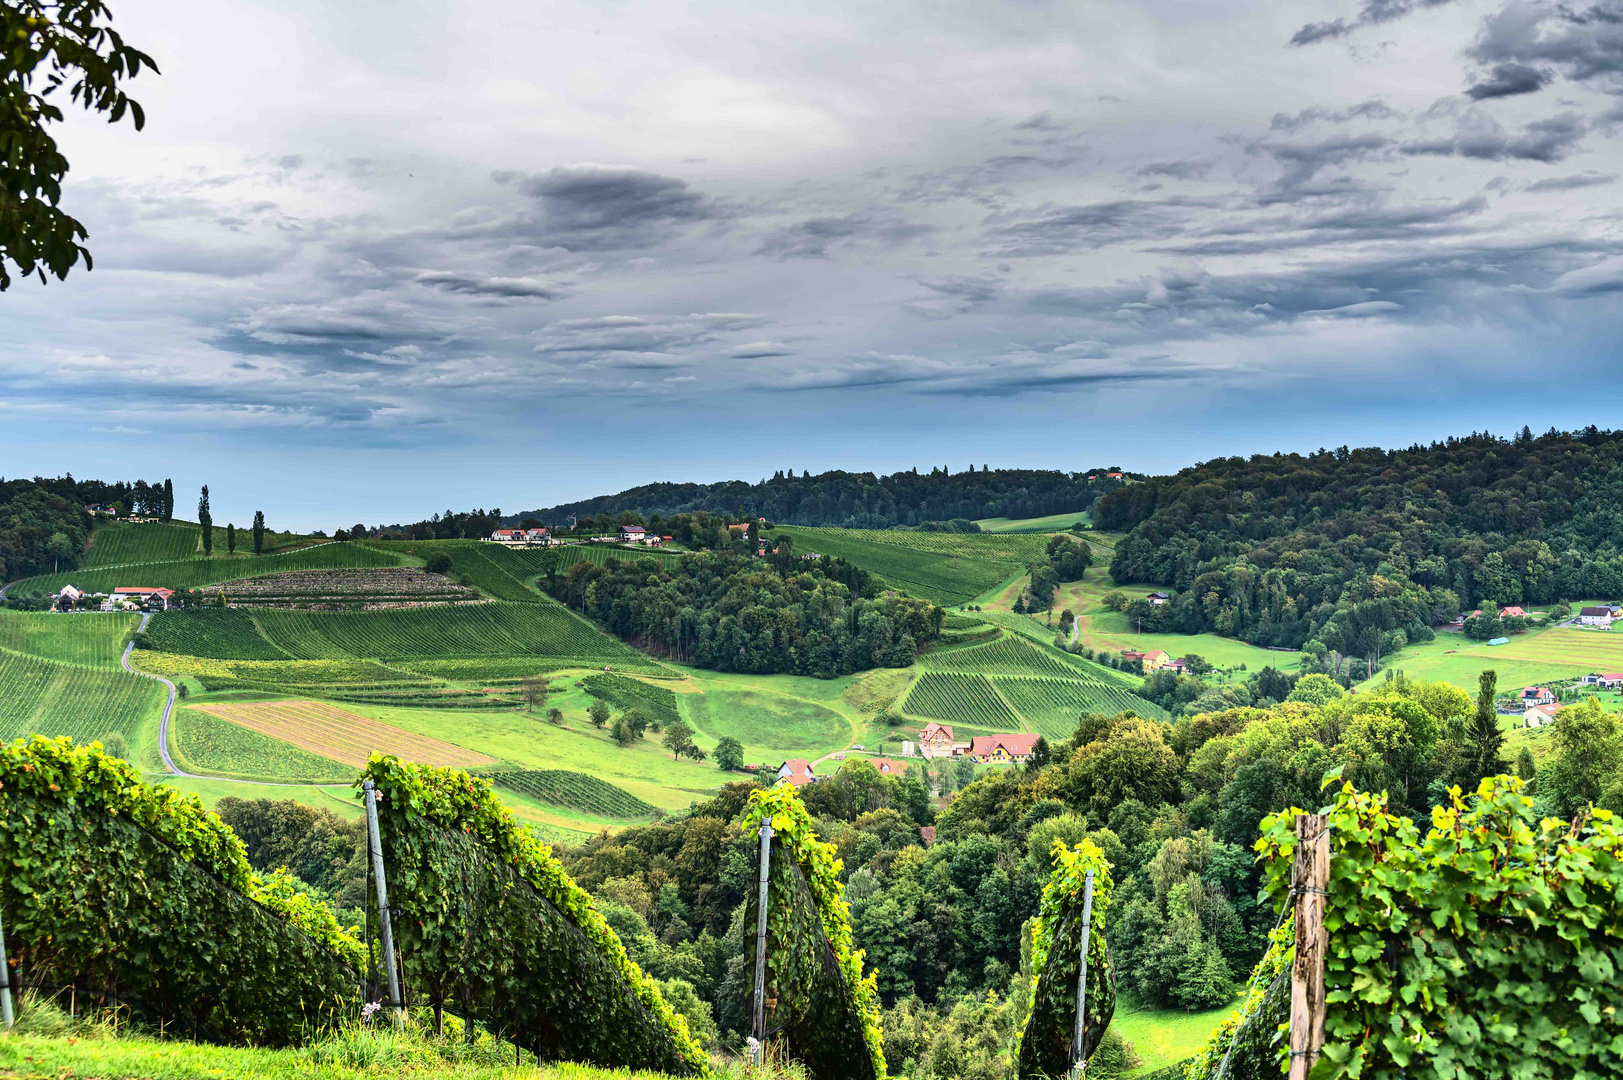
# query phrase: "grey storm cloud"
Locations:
[[1571, 183], [591, 206], [481, 285], [1481, 137], [1178, 170], [1373, 109], [813, 238], [1580, 43], [1509, 80], [1373, 13]]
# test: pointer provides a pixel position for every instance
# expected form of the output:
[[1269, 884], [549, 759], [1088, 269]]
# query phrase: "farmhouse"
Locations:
[[935, 741], [70, 595], [1002, 747], [508, 536], [1131, 654], [1512, 613], [887, 766], [537, 536], [1540, 715], [1113, 476], [1537, 695], [797, 771], [1610, 680], [631, 533], [1156, 599], [1596, 616], [145, 594], [1155, 660]]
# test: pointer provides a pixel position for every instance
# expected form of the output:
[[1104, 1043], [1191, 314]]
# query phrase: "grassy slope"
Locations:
[[118, 543], [1051, 523], [946, 568], [203, 743], [1164, 1036], [1534, 657]]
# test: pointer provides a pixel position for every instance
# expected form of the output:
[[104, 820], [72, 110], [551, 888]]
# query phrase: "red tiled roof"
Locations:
[[927, 834], [886, 765], [1018, 745], [144, 590], [632, 528], [931, 731]]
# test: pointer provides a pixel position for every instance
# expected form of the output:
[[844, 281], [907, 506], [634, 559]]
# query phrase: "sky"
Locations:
[[370, 261]]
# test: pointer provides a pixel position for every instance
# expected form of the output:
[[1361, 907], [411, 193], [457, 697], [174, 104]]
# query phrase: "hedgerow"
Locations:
[[489, 922], [1043, 1047], [137, 893], [808, 941]]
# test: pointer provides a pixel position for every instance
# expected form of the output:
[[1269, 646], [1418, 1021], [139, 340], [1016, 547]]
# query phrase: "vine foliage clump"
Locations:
[[488, 922], [1044, 1045], [819, 1000], [137, 895]]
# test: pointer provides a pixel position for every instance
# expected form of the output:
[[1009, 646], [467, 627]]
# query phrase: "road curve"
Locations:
[[163, 728]]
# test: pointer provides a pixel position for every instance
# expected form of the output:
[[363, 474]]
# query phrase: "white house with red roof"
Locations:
[[150, 595], [1537, 695], [1540, 715], [797, 771], [631, 534], [993, 748], [935, 740], [1609, 680]]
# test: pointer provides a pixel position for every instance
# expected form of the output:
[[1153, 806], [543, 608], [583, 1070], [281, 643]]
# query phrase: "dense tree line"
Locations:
[[1360, 551], [857, 500], [44, 525], [734, 612]]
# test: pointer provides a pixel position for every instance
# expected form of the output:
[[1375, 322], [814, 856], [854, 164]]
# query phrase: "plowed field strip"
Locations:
[[343, 736]]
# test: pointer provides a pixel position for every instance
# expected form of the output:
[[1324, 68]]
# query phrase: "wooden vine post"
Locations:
[[1310, 884], [1080, 1066], [758, 1026], [7, 1016], [374, 841]]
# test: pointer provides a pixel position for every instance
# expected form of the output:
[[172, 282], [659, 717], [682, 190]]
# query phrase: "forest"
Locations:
[[859, 500], [43, 523], [1361, 551], [734, 612]]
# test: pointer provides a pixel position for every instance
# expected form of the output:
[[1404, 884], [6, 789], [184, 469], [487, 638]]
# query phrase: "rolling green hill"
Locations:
[[945, 568], [194, 573], [118, 542]]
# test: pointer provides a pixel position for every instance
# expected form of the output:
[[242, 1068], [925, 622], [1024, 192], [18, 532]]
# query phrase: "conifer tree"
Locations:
[[259, 532], [169, 500], [230, 538], [1485, 740], [206, 520]]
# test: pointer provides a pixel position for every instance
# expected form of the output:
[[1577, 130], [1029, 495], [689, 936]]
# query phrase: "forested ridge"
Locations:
[[43, 523], [859, 500], [1350, 547]]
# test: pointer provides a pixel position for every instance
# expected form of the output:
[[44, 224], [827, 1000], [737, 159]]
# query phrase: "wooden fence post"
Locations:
[[1310, 883], [375, 850], [1080, 1065], [759, 1016]]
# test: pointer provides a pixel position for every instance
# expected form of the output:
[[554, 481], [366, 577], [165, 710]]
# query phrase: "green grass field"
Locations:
[[1163, 1037], [945, 568], [202, 743], [89, 639], [118, 542], [195, 573], [1051, 524], [1538, 656], [769, 725]]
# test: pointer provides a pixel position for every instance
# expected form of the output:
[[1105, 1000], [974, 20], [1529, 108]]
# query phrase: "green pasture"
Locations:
[[1557, 654], [945, 568], [1163, 1037], [769, 725], [1111, 630], [1051, 524], [193, 573], [87, 638]]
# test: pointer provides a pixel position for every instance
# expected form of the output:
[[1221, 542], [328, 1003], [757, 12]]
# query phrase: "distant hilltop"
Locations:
[[862, 500]]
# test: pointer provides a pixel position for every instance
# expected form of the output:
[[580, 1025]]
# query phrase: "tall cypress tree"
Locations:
[[1486, 741], [169, 500], [259, 532], [206, 519], [230, 538]]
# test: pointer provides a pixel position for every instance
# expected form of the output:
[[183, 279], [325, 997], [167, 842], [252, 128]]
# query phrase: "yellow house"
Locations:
[[1155, 660]]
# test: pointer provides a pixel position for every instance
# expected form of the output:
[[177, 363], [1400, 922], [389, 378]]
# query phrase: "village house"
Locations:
[[70, 595], [1132, 654], [886, 766], [935, 741], [1596, 616], [797, 771], [1177, 665], [1540, 715], [998, 748], [1156, 599], [1113, 476], [508, 536], [1155, 660], [149, 595], [631, 534], [1512, 613], [1537, 695], [1610, 680]]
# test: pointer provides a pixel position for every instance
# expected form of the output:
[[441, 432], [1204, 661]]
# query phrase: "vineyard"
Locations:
[[222, 633], [1052, 706], [298, 672], [494, 569], [204, 743], [655, 702], [340, 735], [195, 573], [945, 568], [1034, 631], [563, 558], [119, 543], [573, 791], [498, 670], [1005, 656], [90, 640], [961, 699], [53, 698], [383, 587]]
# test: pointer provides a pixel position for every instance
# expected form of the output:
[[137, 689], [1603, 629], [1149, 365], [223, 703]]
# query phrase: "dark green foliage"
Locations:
[[737, 613], [137, 893], [1045, 1049], [490, 925], [856, 500], [1276, 549], [1069, 558], [437, 563], [729, 754], [1486, 745], [655, 702], [812, 1012], [320, 847], [573, 791], [205, 521], [54, 49], [30, 514]]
